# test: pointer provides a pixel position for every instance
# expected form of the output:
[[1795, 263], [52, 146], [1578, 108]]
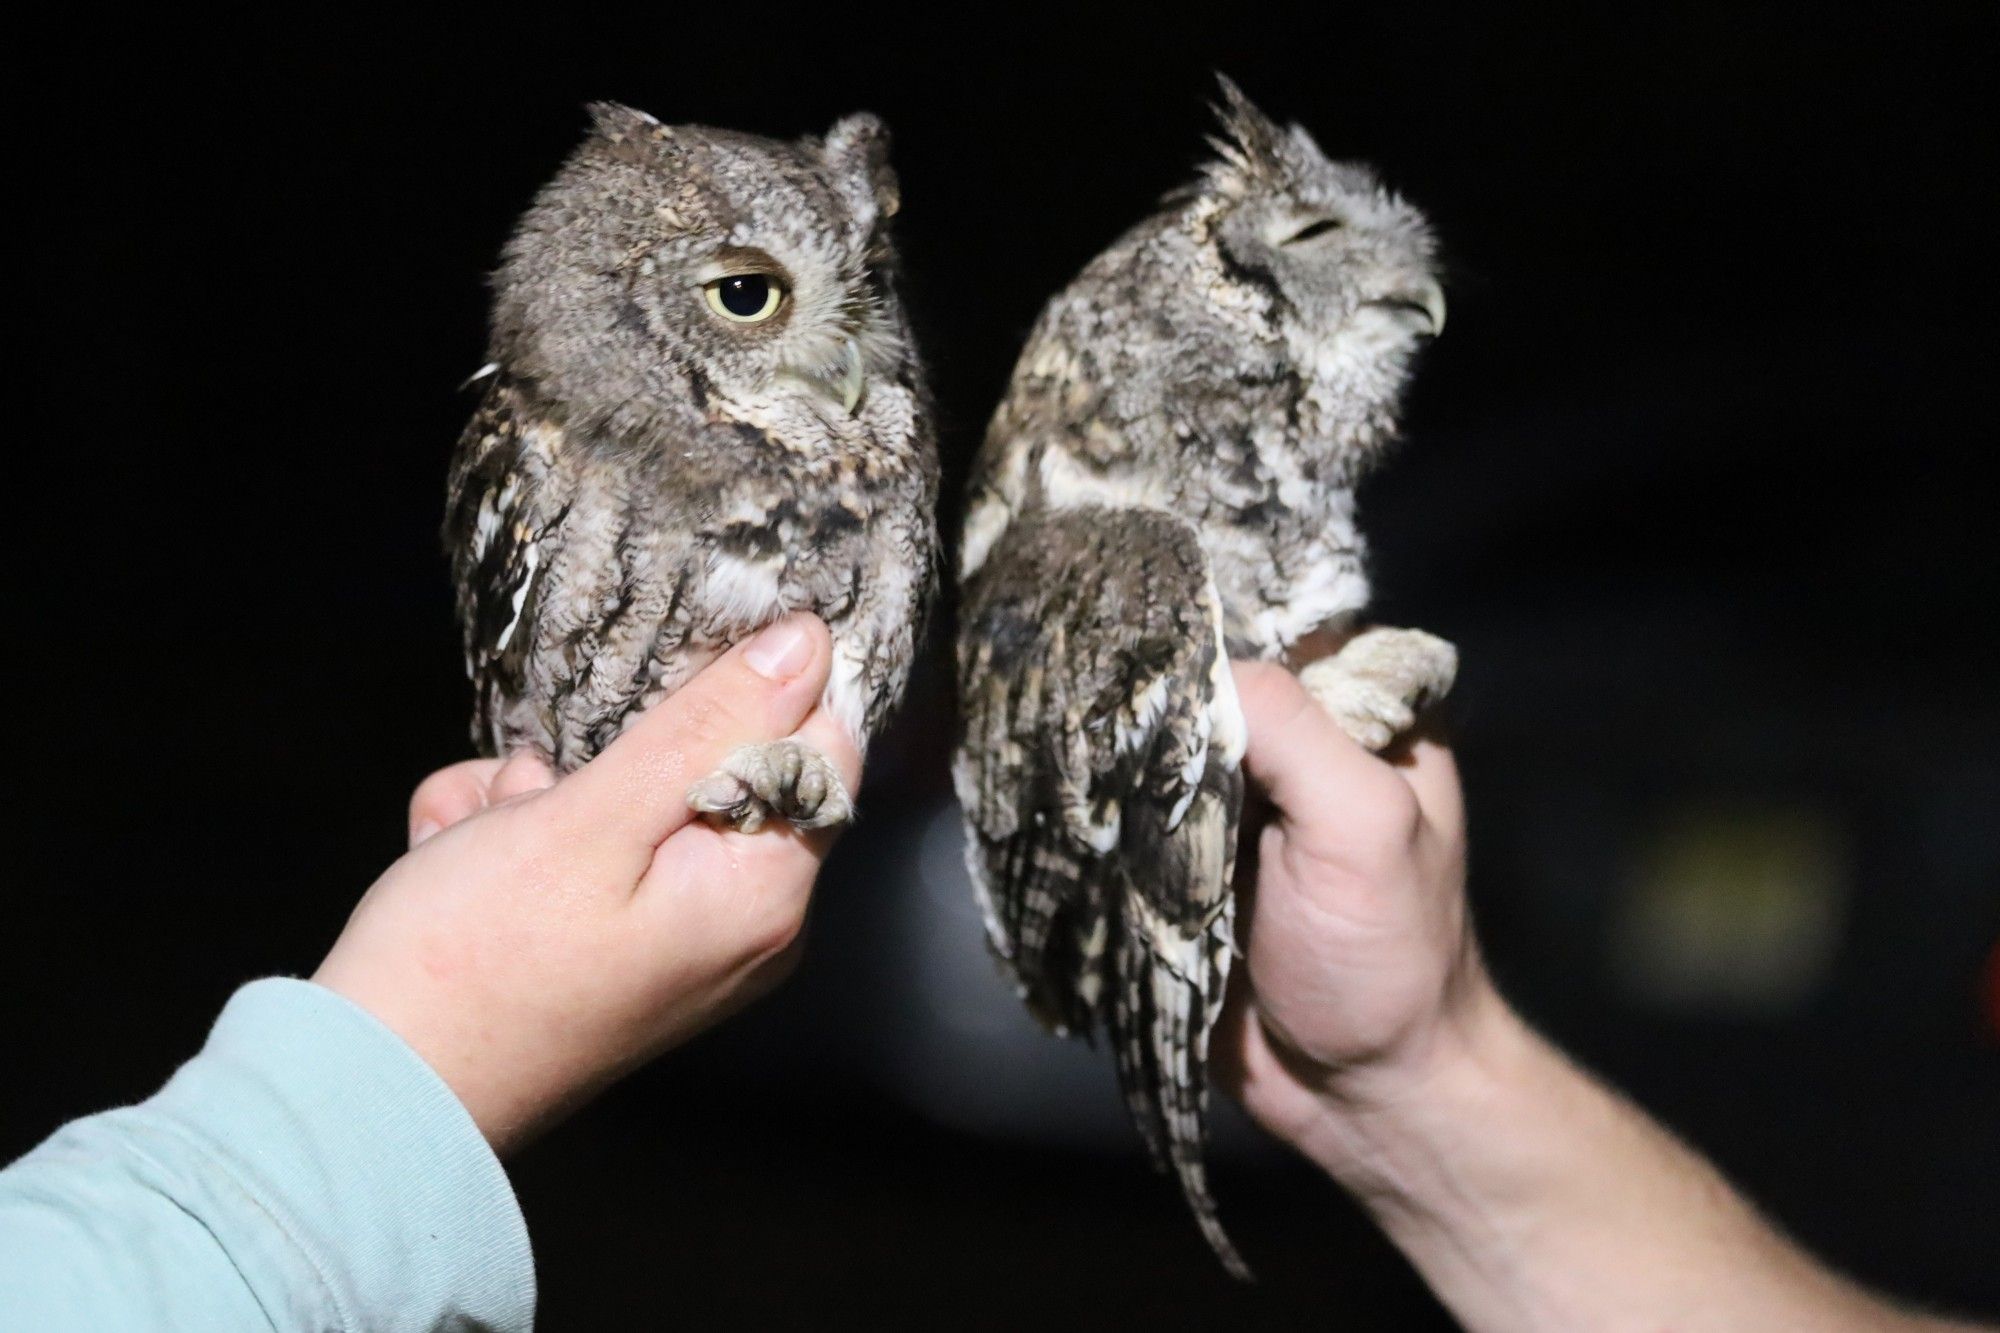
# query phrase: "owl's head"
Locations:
[[1350, 266], [669, 264]]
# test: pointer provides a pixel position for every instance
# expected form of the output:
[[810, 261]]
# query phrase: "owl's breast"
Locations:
[[760, 561], [665, 550], [853, 547], [779, 530], [1282, 574]]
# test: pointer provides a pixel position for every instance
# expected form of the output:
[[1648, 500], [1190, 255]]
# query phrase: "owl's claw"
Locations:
[[786, 779], [1377, 684]]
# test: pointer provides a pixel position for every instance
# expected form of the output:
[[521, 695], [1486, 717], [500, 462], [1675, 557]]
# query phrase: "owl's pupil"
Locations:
[[745, 294]]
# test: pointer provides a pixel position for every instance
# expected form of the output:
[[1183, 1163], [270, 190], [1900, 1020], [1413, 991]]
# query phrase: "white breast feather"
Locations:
[[743, 594]]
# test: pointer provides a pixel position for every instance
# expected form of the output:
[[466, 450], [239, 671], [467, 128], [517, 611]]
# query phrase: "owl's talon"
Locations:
[[811, 789], [717, 794], [787, 779], [1377, 684]]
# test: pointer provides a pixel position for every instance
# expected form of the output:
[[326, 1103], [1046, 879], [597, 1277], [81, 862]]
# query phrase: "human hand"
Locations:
[[1361, 973], [1363, 1030], [544, 936]]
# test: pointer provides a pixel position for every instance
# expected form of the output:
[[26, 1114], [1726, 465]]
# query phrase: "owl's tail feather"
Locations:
[[1174, 979], [1099, 772]]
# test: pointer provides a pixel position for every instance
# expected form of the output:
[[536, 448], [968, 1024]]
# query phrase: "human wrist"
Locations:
[[1378, 1124]]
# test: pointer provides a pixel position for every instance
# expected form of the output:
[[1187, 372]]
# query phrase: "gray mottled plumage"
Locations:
[[1169, 483], [649, 479]]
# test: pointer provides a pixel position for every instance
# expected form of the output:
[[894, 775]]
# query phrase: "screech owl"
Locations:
[[1168, 483], [702, 411]]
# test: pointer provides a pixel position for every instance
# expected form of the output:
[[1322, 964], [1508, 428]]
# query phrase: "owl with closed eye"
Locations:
[[1169, 483], [702, 411]]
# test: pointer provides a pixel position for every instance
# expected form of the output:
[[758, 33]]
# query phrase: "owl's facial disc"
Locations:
[[1414, 301], [1351, 265]]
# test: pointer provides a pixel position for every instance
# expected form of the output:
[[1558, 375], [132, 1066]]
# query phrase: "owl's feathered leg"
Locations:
[[1380, 680], [788, 779]]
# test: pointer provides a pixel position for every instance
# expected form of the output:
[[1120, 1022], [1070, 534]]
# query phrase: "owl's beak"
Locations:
[[841, 377], [1432, 297], [1422, 304], [848, 380]]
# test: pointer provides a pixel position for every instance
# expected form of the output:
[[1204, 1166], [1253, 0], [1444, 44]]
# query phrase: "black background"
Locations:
[[1697, 479]]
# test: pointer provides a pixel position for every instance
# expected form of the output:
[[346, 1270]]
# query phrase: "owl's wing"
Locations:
[[1099, 772], [497, 530]]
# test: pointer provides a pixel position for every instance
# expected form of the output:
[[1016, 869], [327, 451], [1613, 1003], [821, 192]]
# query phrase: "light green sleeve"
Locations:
[[307, 1170]]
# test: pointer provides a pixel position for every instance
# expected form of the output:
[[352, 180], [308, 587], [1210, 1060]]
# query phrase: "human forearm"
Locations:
[[1532, 1197]]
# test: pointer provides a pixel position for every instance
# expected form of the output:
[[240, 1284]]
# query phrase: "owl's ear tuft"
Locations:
[[622, 126], [615, 121], [1251, 145], [857, 149]]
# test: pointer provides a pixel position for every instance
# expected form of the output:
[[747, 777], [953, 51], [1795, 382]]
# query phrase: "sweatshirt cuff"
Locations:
[[374, 1198]]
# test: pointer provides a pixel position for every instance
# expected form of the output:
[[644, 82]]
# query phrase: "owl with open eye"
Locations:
[[702, 411], [1169, 483]]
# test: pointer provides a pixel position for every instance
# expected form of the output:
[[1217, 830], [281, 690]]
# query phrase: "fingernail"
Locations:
[[423, 831], [780, 651]]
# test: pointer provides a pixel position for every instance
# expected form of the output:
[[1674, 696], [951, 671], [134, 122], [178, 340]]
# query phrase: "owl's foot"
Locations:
[[1377, 684], [787, 779]]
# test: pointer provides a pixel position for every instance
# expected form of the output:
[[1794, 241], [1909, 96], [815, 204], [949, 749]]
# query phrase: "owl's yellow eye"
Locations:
[[745, 298]]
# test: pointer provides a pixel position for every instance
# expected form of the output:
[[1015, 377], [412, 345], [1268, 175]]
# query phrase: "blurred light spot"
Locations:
[[960, 981], [1733, 909]]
